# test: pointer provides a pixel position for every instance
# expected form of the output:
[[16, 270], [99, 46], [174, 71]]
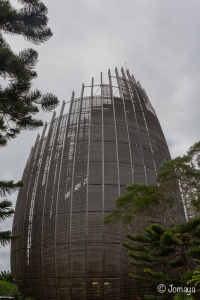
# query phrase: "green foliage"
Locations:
[[9, 187], [186, 171], [153, 297], [139, 205], [194, 278], [6, 237], [183, 296], [18, 104], [7, 276], [29, 21], [177, 179], [166, 255], [169, 238], [5, 212], [8, 289]]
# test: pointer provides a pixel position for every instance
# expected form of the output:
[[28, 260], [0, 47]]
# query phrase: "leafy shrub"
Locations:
[[8, 289]]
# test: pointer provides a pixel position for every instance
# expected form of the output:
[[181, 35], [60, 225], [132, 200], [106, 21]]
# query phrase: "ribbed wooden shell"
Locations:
[[71, 180]]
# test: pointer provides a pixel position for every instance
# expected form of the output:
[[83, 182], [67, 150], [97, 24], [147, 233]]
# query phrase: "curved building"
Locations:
[[111, 137]]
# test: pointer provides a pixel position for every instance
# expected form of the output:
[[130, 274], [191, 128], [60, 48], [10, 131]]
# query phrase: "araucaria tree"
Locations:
[[165, 255], [6, 211], [18, 103]]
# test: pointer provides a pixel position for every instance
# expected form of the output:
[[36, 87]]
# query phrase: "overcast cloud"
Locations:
[[159, 41]]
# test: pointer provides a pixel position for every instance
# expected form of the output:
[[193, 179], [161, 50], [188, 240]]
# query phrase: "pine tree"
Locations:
[[5, 212], [195, 277], [18, 104], [165, 255], [30, 21], [7, 276]]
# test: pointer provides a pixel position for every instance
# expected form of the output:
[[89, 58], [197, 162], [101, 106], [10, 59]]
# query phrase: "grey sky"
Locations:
[[159, 41]]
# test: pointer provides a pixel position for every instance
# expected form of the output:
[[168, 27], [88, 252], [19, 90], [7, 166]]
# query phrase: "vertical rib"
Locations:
[[118, 175], [118, 81], [130, 90], [72, 185], [147, 130], [62, 167], [45, 190], [88, 165], [56, 145], [103, 205]]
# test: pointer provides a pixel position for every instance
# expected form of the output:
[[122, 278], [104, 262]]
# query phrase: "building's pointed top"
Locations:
[[44, 130], [131, 78], [54, 115], [62, 108], [37, 139], [138, 83], [123, 73]]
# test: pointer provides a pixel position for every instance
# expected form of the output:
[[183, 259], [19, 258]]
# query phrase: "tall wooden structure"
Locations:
[[109, 139]]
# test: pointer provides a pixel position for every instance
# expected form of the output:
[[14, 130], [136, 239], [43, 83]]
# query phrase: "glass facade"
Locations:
[[71, 180]]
